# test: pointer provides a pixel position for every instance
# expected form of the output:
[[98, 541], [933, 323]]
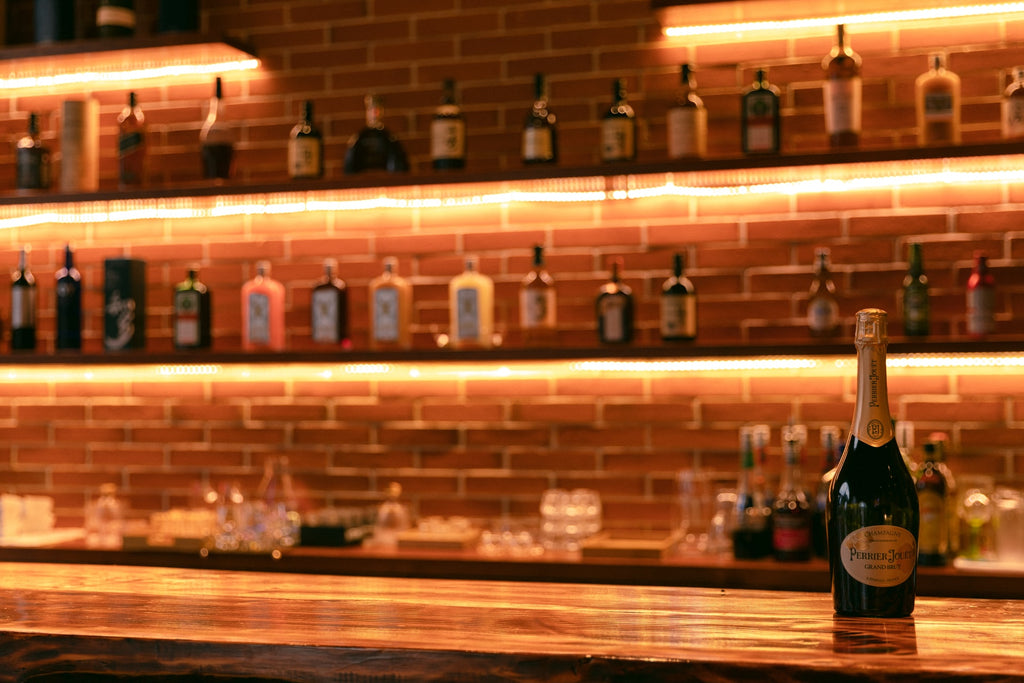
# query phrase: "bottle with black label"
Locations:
[[678, 305], [192, 313], [448, 131], [306, 147], [33, 159], [216, 143], [23, 306], [540, 135], [329, 307], [69, 304], [618, 127], [614, 306]]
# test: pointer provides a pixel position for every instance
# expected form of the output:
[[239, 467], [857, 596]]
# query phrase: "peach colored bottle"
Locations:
[[263, 312], [471, 302], [390, 310]]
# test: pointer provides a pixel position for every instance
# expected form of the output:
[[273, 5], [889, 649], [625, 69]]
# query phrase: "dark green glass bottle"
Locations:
[[916, 318]]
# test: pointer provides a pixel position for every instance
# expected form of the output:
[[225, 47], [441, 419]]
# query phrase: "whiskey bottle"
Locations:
[[937, 99], [618, 127], [760, 121], [390, 309], [537, 306], [842, 94], [822, 305], [614, 307], [471, 305], [374, 148], [678, 305], [932, 494], [916, 318], [448, 131], [263, 311], [192, 313], [329, 307], [539, 134], [306, 147], [131, 144], [687, 120]]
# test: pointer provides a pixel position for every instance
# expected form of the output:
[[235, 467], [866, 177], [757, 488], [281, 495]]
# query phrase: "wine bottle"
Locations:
[[872, 513], [822, 305], [215, 139], [69, 304], [329, 307], [23, 306], [842, 94], [760, 121], [937, 99], [933, 540], [687, 120], [305, 147], [390, 309], [448, 131], [539, 135], [831, 446], [374, 148], [131, 145], [752, 535], [115, 18], [981, 298], [263, 311], [1012, 106], [471, 307], [916, 309], [940, 442], [614, 306], [537, 307], [618, 127], [678, 305], [192, 313], [32, 165], [791, 509]]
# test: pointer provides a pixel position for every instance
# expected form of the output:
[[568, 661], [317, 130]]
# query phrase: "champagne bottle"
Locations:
[[822, 305], [131, 144], [329, 307], [306, 147], [831, 446], [32, 163], [872, 513], [842, 94], [618, 127], [752, 535], [374, 148], [448, 131], [687, 120], [471, 306], [678, 305], [932, 492], [1012, 107], [981, 298], [916, 318], [537, 307], [192, 313], [614, 306], [69, 304], [216, 145], [23, 306], [390, 309], [539, 135], [791, 509], [760, 122], [937, 99], [115, 18], [263, 311]]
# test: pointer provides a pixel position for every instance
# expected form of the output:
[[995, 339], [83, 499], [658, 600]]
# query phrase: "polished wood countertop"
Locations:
[[80, 622]]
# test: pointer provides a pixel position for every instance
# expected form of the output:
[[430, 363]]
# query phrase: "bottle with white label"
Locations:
[[1013, 107], [614, 309], [842, 93], [448, 131], [539, 135], [192, 313], [678, 305], [618, 127], [822, 304], [263, 312], [471, 306], [306, 147], [390, 309], [329, 307], [937, 100], [687, 120], [872, 515]]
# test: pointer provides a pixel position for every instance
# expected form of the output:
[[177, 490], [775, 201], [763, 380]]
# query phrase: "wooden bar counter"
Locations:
[[92, 622]]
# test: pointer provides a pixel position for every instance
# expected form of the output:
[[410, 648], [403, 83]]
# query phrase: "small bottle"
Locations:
[[614, 307], [678, 305], [448, 131], [216, 144], [1012, 107], [374, 148], [981, 298], [618, 127], [115, 18], [916, 317], [932, 491], [104, 520], [873, 514], [537, 308], [23, 306], [540, 136], [937, 99], [687, 120], [831, 446], [390, 309], [131, 145], [752, 535], [760, 124], [791, 510], [306, 147], [471, 307], [192, 313], [822, 305], [329, 307], [263, 311], [68, 305], [33, 159], [842, 94]]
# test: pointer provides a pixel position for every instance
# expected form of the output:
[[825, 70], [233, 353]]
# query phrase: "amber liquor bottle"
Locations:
[[842, 93]]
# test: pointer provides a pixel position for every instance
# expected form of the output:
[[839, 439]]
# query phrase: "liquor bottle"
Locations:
[[618, 127], [752, 535], [374, 148], [23, 306], [537, 308], [131, 144], [192, 313], [981, 298], [791, 510], [872, 513], [471, 307], [329, 307], [390, 309], [614, 306], [69, 304], [916, 318], [448, 131], [760, 120], [1012, 106], [831, 446], [540, 136], [263, 311], [762, 436], [305, 147], [33, 159], [216, 145], [687, 120], [822, 305], [933, 540], [937, 99], [842, 94], [115, 18], [940, 441], [904, 430], [678, 305]]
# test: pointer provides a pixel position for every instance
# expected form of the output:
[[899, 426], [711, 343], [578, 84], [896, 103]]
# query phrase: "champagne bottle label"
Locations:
[[447, 139], [981, 306], [686, 126], [304, 157], [537, 144], [933, 522], [618, 139], [938, 106], [186, 321], [1013, 117], [23, 313], [882, 556], [385, 314], [678, 316], [842, 104], [613, 314], [533, 306], [468, 319], [325, 315], [259, 318], [760, 122]]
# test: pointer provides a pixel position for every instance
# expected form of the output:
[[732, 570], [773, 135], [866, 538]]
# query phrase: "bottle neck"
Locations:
[[872, 422]]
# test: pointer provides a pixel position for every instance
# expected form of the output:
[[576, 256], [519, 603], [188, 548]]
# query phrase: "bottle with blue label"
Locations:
[[471, 302]]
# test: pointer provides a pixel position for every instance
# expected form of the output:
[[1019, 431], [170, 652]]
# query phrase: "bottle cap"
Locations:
[[871, 326]]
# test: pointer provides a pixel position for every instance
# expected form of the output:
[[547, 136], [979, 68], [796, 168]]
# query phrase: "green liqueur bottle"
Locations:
[[760, 127], [915, 296]]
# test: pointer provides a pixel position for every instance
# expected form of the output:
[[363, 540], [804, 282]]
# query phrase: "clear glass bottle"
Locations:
[[68, 291], [822, 304], [471, 307], [392, 518], [216, 142], [791, 510], [374, 148], [448, 131], [306, 147], [540, 134], [981, 298], [537, 305], [618, 127], [752, 534], [916, 309], [842, 93], [687, 120], [329, 307], [614, 308], [263, 311], [678, 305], [131, 145], [937, 104], [760, 120], [390, 309], [1012, 106], [104, 520], [32, 163], [23, 306], [192, 313]]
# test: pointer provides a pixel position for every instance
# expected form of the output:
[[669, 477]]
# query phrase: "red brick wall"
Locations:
[[623, 434]]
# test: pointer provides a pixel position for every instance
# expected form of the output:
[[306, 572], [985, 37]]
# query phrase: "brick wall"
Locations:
[[624, 434]]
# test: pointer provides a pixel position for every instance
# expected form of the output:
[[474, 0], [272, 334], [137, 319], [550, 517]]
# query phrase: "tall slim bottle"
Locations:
[[216, 145], [873, 514], [32, 159], [614, 306], [618, 127], [937, 100], [678, 305], [69, 304], [831, 447], [306, 147], [263, 311], [448, 131], [540, 134], [752, 535], [916, 309], [687, 120], [23, 306], [390, 309], [791, 510], [537, 307], [822, 304], [329, 307], [842, 93], [932, 492], [192, 313], [760, 120], [471, 306], [1012, 107], [131, 144], [981, 298]]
